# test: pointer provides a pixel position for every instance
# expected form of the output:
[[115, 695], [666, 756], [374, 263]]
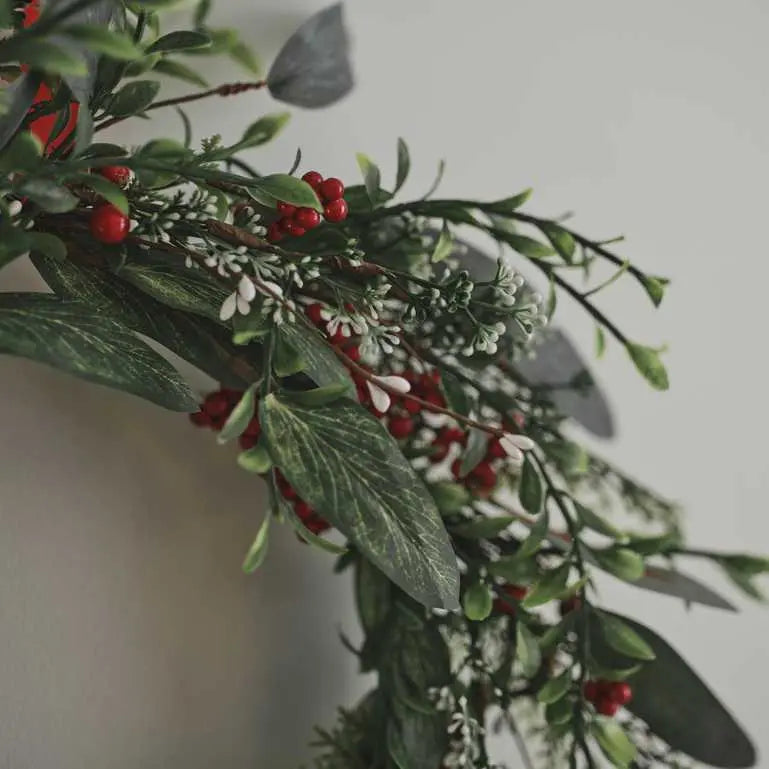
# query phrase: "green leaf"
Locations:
[[202, 10], [514, 570], [372, 177], [287, 360], [655, 287], [163, 149], [140, 66], [555, 689], [320, 396], [78, 339], [320, 362], [560, 712], [483, 527], [620, 562], [101, 186], [416, 739], [307, 536], [588, 518], [600, 342], [247, 58], [552, 585], [45, 243], [404, 165], [13, 243], [681, 710], [180, 41], [247, 328], [477, 602], [527, 650], [103, 40], [649, 365], [613, 741], [258, 550], [454, 392], [621, 637], [255, 460], [49, 195], [534, 249], [562, 240], [538, 532], [180, 71], [341, 460], [45, 56], [373, 594], [176, 286], [508, 205], [287, 188], [530, 489], [449, 497], [22, 154], [133, 98], [240, 417], [263, 130], [475, 451], [443, 245]]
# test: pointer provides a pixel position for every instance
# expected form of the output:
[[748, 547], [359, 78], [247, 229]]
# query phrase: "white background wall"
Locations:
[[129, 637]]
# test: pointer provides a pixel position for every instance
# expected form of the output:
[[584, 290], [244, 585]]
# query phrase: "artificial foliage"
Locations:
[[405, 397]]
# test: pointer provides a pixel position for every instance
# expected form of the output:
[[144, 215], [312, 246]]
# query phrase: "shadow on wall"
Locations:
[[130, 637]]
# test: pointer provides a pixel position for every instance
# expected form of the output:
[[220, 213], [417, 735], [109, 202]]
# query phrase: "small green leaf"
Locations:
[[648, 363], [588, 518], [202, 9], [538, 532], [258, 551], [287, 360], [623, 638], [552, 585], [373, 595], [534, 249], [133, 98], [22, 154], [321, 364], [553, 635], [320, 396], [454, 392], [103, 40], [655, 287], [562, 240], [530, 488], [240, 417], [443, 245], [621, 562], [514, 570], [44, 55], [404, 165], [509, 205], [51, 196], [163, 149], [483, 527], [449, 497], [560, 712], [140, 66], [45, 243], [247, 328], [615, 744], [247, 58], [527, 650], [288, 189], [106, 189], [263, 130], [477, 602], [180, 71], [180, 41], [475, 451], [255, 460], [600, 342], [372, 177], [555, 688]]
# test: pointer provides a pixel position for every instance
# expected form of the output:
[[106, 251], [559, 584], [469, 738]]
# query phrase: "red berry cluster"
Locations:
[[516, 592], [108, 224], [214, 412], [296, 221], [608, 696]]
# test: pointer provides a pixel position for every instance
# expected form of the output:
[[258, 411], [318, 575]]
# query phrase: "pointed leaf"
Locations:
[[619, 561], [180, 41], [372, 177], [258, 550], [287, 188], [475, 451], [404, 165], [552, 585], [615, 744], [320, 363], [240, 417], [555, 688], [134, 97], [530, 488], [623, 638], [649, 365], [680, 585], [527, 650]]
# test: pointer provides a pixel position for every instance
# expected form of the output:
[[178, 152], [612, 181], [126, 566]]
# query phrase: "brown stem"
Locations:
[[226, 89]]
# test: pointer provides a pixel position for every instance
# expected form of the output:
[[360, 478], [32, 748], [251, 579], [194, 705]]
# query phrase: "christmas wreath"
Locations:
[[403, 395]]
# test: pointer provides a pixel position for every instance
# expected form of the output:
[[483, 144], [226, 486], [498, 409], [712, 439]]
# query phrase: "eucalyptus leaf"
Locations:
[[133, 98], [343, 463]]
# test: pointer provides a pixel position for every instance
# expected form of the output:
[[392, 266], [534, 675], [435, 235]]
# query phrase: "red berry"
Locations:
[[314, 179], [217, 404], [450, 435], [108, 225], [285, 224], [570, 605], [411, 405], [285, 488], [286, 209], [495, 450], [401, 427], [336, 210], [200, 419], [302, 509], [247, 441], [313, 312], [293, 229], [316, 524], [435, 399], [353, 353], [338, 338], [307, 218], [274, 233], [119, 175], [440, 453], [606, 706], [621, 692], [516, 591], [591, 691], [332, 189], [503, 607], [485, 474]]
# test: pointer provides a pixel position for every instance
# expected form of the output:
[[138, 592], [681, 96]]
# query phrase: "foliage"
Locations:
[[375, 377]]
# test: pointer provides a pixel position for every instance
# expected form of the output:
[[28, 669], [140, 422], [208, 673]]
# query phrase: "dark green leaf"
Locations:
[[416, 739], [373, 592], [45, 243], [562, 240], [483, 527], [13, 243], [103, 40], [43, 55], [593, 521], [477, 602], [649, 365], [180, 41], [555, 689], [538, 532], [258, 550], [342, 462], [286, 360], [320, 396], [620, 562], [443, 245], [22, 154], [527, 650], [552, 585], [534, 249], [456, 397], [140, 66], [404, 165], [78, 339], [655, 287], [623, 638], [133, 98], [516, 571], [110, 192], [240, 417], [449, 497], [287, 188], [320, 363], [530, 488], [202, 9], [509, 205], [180, 71], [49, 195], [560, 712], [263, 130], [475, 451], [613, 741], [372, 177]]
